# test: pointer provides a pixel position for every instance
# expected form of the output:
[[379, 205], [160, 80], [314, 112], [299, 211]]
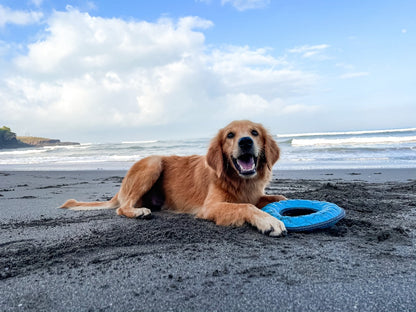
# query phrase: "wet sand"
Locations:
[[58, 260]]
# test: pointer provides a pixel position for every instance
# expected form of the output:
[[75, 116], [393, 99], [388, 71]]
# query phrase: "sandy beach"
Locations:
[[57, 260]]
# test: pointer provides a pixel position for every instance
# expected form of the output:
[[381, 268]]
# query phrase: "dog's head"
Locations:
[[243, 148]]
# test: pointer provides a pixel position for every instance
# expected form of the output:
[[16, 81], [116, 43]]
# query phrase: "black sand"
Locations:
[[58, 260]]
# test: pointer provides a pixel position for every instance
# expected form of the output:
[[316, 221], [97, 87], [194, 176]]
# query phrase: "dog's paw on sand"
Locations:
[[144, 213], [271, 226], [139, 213]]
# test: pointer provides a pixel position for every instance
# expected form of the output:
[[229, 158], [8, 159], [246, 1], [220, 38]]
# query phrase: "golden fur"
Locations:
[[225, 186]]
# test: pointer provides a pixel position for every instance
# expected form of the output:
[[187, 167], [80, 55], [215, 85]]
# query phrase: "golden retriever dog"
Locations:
[[225, 186]]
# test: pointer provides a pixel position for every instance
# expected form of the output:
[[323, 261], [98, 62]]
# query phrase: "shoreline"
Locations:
[[58, 260], [367, 175], [358, 174]]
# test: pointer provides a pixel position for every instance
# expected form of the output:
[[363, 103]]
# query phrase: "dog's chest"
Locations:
[[248, 194], [248, 198]]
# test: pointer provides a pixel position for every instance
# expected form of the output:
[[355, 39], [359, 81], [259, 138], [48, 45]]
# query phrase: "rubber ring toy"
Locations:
[[300, 215]]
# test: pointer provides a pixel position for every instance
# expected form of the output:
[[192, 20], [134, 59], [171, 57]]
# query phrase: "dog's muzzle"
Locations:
[[246, 161]]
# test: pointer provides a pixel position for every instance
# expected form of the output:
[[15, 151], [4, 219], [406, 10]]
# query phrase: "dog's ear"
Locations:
[[271, 150], [215, 158]]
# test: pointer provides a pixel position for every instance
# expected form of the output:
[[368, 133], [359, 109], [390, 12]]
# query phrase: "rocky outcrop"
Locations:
[[8, 139], [35, 141]]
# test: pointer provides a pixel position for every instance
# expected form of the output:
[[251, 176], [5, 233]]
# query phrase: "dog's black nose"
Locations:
[[245, 143]]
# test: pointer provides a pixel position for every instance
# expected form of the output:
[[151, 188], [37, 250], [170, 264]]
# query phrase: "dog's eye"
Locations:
[[230, 135], [254, 132]]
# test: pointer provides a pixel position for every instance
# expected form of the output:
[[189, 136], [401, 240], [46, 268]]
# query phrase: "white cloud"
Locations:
[[354, 75], [37, 3], [90, 73], [308, 51], [9, 16], [350, 71], [243, 5], [78, 42], [194, 22]]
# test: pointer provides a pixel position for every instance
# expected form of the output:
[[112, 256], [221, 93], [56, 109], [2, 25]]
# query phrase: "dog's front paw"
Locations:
[[271, 226], [139, 213], [142, 213]]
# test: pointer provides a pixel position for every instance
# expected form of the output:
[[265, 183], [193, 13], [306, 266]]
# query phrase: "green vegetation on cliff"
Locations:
[[37, 140]]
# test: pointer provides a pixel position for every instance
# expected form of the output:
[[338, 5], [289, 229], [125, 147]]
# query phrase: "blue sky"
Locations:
[[120, 70]]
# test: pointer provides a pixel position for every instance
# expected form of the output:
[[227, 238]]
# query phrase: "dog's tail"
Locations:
[[76, 205]]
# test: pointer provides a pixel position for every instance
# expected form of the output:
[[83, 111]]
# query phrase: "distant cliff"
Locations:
[[8, 139], [35, 141]]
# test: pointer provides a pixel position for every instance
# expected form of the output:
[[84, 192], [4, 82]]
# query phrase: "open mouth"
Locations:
[[245, 164]]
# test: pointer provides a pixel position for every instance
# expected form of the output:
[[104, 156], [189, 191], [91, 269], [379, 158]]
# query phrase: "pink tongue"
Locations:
[[246, 165]]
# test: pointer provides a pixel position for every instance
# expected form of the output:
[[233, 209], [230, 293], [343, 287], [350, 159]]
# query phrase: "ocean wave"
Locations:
[[22, 152], [140, 142], [321, 151], [353, 141], [128, 158], [66, 147], [69, 160], [295, 135]]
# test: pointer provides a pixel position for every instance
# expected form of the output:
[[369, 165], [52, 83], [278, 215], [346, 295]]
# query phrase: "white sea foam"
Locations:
[[22, 152], [140, 142], [353, 141], [129, 158], [67, 147], [295, 135]]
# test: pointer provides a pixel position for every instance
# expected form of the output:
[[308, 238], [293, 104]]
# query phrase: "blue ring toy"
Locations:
[[300, 215]]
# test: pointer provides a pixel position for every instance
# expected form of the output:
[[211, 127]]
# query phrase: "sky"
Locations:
[[110, 71]]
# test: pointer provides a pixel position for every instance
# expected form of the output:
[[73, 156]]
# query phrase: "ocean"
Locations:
[[331, 150]]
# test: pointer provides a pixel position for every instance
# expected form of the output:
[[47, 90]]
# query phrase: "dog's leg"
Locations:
[[76, 205], [268, 199], [137, 182], [237, 214]]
